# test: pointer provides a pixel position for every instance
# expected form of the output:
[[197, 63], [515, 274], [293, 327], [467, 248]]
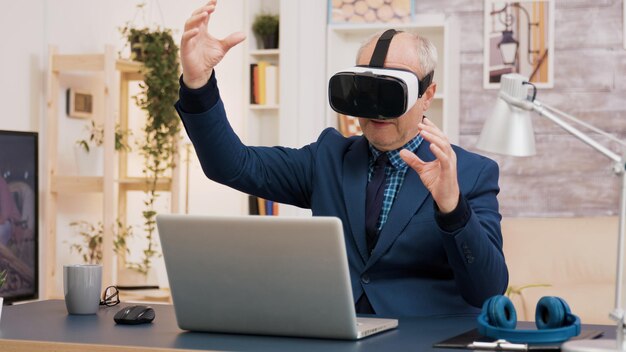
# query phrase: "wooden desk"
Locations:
[[46, 326]]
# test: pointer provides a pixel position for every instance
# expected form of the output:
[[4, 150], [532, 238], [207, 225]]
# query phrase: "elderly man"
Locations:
[[433, 247]]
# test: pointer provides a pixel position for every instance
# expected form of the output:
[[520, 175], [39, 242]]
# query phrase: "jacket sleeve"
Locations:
[[475, 250], [275, 173]]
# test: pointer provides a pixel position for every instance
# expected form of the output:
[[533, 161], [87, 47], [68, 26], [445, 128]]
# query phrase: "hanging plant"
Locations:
[[159, 91]]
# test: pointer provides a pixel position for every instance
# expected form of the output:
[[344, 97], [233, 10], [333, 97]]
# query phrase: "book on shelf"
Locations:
[[263, 83], [260, 206], [253, 205], [271, 85], [261, 203], [254, 72]]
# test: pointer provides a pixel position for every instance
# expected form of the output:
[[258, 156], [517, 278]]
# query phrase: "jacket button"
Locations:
[[365, 279]]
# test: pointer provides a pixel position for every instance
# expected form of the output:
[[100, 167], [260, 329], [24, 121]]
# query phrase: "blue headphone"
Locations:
[[553, 318]]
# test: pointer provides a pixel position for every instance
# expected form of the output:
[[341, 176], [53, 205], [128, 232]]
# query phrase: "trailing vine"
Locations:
[[159, 91]]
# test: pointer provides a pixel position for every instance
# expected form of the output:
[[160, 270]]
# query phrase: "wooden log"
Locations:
[[356, 19], [401, 8], [337, 16], [360, 7], [347, 10], [385, 13], [370, 16], [375, 4]]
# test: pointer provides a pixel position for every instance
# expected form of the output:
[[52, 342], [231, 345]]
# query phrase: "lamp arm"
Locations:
[[585, 124], [541, 110]]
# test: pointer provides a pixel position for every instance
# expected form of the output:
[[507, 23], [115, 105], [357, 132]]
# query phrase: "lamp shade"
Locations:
[[508, 131]]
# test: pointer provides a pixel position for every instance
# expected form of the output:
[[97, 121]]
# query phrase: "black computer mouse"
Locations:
[[132, 315]]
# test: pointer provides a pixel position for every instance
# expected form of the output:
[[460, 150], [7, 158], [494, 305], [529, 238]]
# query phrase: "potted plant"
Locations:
[[88, 152], [265, 26], [90, 245], [159, 53]]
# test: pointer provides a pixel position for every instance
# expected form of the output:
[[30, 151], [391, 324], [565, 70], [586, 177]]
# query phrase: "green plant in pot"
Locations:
[[91, 236], [159, 147], [265, 27], [96, 137]]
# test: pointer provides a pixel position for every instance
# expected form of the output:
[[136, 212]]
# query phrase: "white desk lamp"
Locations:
[[509, 131]]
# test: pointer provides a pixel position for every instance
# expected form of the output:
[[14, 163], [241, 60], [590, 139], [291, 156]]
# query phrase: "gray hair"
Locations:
[[426, 51]]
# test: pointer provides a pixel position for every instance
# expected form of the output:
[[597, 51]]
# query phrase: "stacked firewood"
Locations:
[[369, 11]]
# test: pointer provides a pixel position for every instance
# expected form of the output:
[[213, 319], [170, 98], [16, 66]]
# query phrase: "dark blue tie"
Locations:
[[374, 201]]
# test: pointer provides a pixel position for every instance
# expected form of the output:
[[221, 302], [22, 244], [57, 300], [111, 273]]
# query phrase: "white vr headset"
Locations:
[[373, 91]]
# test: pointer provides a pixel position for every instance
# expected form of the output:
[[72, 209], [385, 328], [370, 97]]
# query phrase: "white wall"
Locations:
[[76, 27], [21, 62]]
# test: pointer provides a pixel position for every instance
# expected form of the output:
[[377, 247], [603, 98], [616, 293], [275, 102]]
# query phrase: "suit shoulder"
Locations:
[[330, 136], [465, 156]]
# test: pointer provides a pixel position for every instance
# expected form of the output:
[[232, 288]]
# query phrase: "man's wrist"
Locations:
[[457, 218], [195, 101], [196, 84]]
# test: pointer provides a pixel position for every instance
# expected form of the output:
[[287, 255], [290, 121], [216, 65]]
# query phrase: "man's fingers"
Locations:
[[432, 128], [444, 159], [195, 20], [412, 160], [204, 8], [441, 142], [187, 36], [232, 40]]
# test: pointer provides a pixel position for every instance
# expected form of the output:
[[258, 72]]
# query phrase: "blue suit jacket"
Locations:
[[416, 269]]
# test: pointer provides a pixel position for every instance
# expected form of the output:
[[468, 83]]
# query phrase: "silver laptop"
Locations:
[[262, 275]]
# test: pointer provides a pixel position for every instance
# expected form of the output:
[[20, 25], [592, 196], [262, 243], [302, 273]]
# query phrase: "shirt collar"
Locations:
[[394, 155]]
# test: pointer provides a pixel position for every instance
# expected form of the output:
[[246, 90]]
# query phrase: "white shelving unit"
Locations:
[[344, 40], [261, 121], [115, 182]]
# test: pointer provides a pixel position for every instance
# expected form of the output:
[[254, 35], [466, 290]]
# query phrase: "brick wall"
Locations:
[[566, 177]]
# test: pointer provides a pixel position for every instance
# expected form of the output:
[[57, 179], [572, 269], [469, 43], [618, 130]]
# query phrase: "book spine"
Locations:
[[253, 205], [271, 85]]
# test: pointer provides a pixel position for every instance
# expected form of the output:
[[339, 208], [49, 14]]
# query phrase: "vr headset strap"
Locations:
[[380, 51]]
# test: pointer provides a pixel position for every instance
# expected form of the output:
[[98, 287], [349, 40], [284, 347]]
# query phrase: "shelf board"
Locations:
[[84, 62], [140, 184], [77, 184], [265, 52], [94, 184], [263, 107]]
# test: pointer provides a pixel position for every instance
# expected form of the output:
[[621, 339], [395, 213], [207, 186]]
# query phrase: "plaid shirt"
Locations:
[[394, 175]]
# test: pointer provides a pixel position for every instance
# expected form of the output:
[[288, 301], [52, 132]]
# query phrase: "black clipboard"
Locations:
[[466, 339]]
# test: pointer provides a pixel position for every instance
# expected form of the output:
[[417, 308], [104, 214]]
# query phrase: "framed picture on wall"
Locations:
[[519, 38], [79, 104]]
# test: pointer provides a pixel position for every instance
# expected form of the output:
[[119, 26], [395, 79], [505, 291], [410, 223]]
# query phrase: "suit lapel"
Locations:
[[355, 165], [410, 198]]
